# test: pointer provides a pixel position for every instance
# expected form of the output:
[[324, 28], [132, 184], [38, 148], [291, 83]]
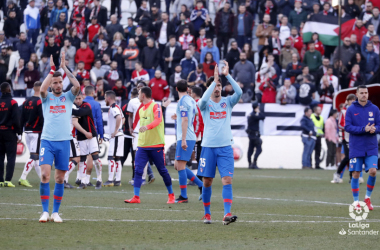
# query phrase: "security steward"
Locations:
[[9, 129], [319, 126], [254, 135]]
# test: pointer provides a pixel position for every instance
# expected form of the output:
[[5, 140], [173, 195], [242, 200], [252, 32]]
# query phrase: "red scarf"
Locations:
[[268, 10], [94, 13], [353, 79], [80, 28]]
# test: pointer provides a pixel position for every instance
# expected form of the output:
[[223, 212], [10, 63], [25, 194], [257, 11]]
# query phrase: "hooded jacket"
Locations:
[[357, 117]]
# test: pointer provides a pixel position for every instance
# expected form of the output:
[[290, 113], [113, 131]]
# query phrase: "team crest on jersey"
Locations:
[[42, 159], [62, 98], [223, 105], [370, 114]]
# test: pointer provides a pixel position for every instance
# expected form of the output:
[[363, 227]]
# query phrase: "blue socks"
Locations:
[[58, 193], [355, 188], [361, 174], [341, 174], [170, 189], [370, 185], [45, 193], [191, 176], [136, 190], [183, 183], [227, 198], [206, 197]]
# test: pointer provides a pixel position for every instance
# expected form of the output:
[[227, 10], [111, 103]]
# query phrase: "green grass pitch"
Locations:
[[276, 209]]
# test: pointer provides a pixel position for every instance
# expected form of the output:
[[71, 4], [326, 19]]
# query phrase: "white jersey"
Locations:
[[113, 112], [72, 129], [133, 106]]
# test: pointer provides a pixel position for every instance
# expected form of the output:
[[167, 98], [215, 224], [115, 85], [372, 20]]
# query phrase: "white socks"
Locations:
[[118, 170], [71, 168], [111, 169], [27, 168], [98, 168], [82, 172], [37, 168]]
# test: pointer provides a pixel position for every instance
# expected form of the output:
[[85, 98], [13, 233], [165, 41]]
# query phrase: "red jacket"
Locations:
[[85, 55], [269, 92], [359, 33], [201, 44], [160, 89], [198, 123], [92, 31], [297, 43]]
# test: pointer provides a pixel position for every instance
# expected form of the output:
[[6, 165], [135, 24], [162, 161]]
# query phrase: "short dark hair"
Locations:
[[197, 91], [329, 67], [81, 62], [306, 110], [111, 94], [37, 84], [147, 91], [99, 78], [182, 86], [209, 81], [4, 87], [134, 92], [361, 87], [139, 63], [333, 112], [171, 37], [141, 82], [89, 89], [57, 74], [200, 66], [351, 97], [97, 60]]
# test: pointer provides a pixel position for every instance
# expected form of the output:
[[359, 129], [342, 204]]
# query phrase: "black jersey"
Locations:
[[32, 118], [86, 120]]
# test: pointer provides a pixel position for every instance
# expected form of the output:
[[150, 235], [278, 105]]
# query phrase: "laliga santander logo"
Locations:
[[359, 214], [238, 152]]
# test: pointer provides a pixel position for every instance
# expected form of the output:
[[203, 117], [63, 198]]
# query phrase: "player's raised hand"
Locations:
[[63, 62], [51, 62], [216, 73], [226, 69]]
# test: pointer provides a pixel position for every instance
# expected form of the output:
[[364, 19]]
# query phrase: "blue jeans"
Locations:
[[241, 40], [32, 36], [151, 73], [308, 147]]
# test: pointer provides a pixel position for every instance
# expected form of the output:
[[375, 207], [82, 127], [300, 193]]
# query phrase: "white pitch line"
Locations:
[[283, 177], [198, 221]]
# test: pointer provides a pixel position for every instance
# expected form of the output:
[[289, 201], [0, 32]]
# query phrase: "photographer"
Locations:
[[254, 135]]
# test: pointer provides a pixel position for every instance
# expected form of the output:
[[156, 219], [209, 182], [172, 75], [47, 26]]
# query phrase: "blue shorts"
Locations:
[[184, 155], [57, 151], [222, 157], [356, 164]]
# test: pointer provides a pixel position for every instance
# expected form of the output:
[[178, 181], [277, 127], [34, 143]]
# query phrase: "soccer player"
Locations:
[[88, 142], [217, 140], [32, 120], [363, 123], [56, 136], [337, 177], [186, 112], [151, 144], [74, 155], [116, 142]]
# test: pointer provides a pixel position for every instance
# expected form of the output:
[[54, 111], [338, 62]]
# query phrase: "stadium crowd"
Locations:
[[161, 48]]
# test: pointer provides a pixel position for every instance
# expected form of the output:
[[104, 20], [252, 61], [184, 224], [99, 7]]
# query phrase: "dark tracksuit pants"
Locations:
[[317, 151], [331, 151], [254, 142], [8, 146], [128, 148]]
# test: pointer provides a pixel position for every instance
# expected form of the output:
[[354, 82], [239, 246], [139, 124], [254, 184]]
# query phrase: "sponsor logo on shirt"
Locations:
[[62, 98], [218, 115], [2, 107], [57, 109]]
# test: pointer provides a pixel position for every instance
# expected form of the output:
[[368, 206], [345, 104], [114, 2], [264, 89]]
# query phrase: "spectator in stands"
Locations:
[[212, 49], [233, 55], [286, 6], [359, 30], [104, 49], [243, 26], [286, 55], [244, 73], [346, 52], [326, 90], [141, 10], [44, 66], [163, 30], [201, 41], [45, 15], [70, 52], [114, 26], [307, 93], [130, 55], [99, 37], [263, 31], [106, 62], [186, 38], [120, 90], [224, 24], [183, 6], [100, 12], [85, 54], [326, 11], [34, 60], [194, 53], [4, 62], [130, 29], [80, 25], [268, 89], [366, 13], [150, 58], [61, 24], [308, 138], [30, 77], [93, 29], [332, 137], [118, 57], [209, 65], [101, 88], [172, 56], [376, 44], [74, 39], [197, 78], [286, 94], [305, 76], [82, 10], [312, 59], [332, 78], [198, 16], [368, 36], [354, 45], [81, 73], [188, 63], [56, 12], [209, 27], [18, 80], [354, 78], [139, 74], [352, 9], [318, 44], [372, 61], [52, 50], [294, 69], [174, 78], [96, 71], [296, 41], [155, 13], [298, 15], [273, 45], [140, 39], [11, 27], [268, 7], [247, 49], [316, 8], [24, 47], [284, 30], [160, 87]]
